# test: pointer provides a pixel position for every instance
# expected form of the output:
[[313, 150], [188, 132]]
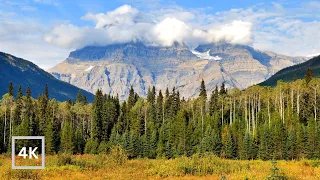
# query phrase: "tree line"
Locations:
[[279, 122]]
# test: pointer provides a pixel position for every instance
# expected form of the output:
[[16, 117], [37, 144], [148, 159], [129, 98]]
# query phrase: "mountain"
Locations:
[[20, 71], [297, 71], [114, 68]]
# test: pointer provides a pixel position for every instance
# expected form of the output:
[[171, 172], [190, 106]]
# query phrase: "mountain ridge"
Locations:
[[25, 73], [297, 71], [114, 68]]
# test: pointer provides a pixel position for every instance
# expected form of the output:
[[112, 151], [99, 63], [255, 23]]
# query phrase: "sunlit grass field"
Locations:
[[117, 166]]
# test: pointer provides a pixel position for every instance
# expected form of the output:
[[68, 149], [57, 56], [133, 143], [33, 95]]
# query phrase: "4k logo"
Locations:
[[23, 153], [29, 152]]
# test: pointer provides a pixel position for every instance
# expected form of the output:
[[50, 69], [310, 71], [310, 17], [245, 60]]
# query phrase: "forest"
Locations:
[[280, 122]]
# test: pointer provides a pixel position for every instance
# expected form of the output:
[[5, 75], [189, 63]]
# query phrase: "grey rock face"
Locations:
[[114, 68]]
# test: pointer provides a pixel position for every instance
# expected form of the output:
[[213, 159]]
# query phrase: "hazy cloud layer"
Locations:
[[126, 24], [282, 28]]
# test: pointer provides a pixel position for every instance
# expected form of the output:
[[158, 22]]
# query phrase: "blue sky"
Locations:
[[45, 31]]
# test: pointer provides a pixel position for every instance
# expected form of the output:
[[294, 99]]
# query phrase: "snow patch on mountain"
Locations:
[[89, 68], [206, 55]]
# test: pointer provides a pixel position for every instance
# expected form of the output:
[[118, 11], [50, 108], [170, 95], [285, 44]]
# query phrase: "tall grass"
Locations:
[[115, 165]]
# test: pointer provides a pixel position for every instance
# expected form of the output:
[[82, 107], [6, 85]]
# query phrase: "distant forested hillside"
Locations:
[[25, 73], [295, 72]]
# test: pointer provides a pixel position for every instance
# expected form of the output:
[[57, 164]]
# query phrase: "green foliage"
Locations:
[[103, 147], [78, 141], [292, 73], [206, 165], [49, 139], [203, 91], [22, 174], [275, 174], [64, 159], [10, 89], [118, 155], [67, 138], [309, 75], [265, 123], [91, 146]]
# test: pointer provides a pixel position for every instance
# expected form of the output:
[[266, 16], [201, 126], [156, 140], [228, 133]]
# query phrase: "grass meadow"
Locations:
[[116, 166]]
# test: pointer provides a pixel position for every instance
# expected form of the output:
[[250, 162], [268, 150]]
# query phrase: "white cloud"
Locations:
[[170, 30], [24, 39], [123, 15], [275, 27], [126, 24]]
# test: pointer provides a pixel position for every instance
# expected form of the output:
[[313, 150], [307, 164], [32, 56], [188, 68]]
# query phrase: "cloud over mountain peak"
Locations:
[[125, 24]]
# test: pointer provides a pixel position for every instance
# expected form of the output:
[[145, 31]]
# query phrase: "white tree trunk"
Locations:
[[315, 104], [222, 112], [269, 116], [230, 112], [5, 126]]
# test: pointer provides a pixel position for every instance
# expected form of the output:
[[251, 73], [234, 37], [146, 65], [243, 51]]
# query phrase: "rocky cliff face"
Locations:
[[114, 68]]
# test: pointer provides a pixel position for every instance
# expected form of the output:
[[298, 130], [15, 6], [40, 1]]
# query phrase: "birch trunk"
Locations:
[[230, 114], [222, 112], [5, 126], [315, 104], [269, 116]]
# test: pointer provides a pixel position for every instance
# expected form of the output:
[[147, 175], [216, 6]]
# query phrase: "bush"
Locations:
[[87, 164], [22, 174], [208, 164], [64, 159], [118, 155], [91, 147], [275, 173], [103, 147], [94, 162]]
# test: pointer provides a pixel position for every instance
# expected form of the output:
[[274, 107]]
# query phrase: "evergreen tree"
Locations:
[[19, 94], [279, 139], [203, 91], [131, 98], [302, 140], [160, 111], [91, 146], [213, 101], [109, 118], [247, 148], [84, 99], [309, 75], [228, 148], [291, 145], [49, 139], [151, 96], [160, 144], [28, 92], [134, 144], [67, 138], [312, 138], [79, 97], [96, 126], [79, 142], [223, 89], [266, 144], [46, 92], [10, 89]]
